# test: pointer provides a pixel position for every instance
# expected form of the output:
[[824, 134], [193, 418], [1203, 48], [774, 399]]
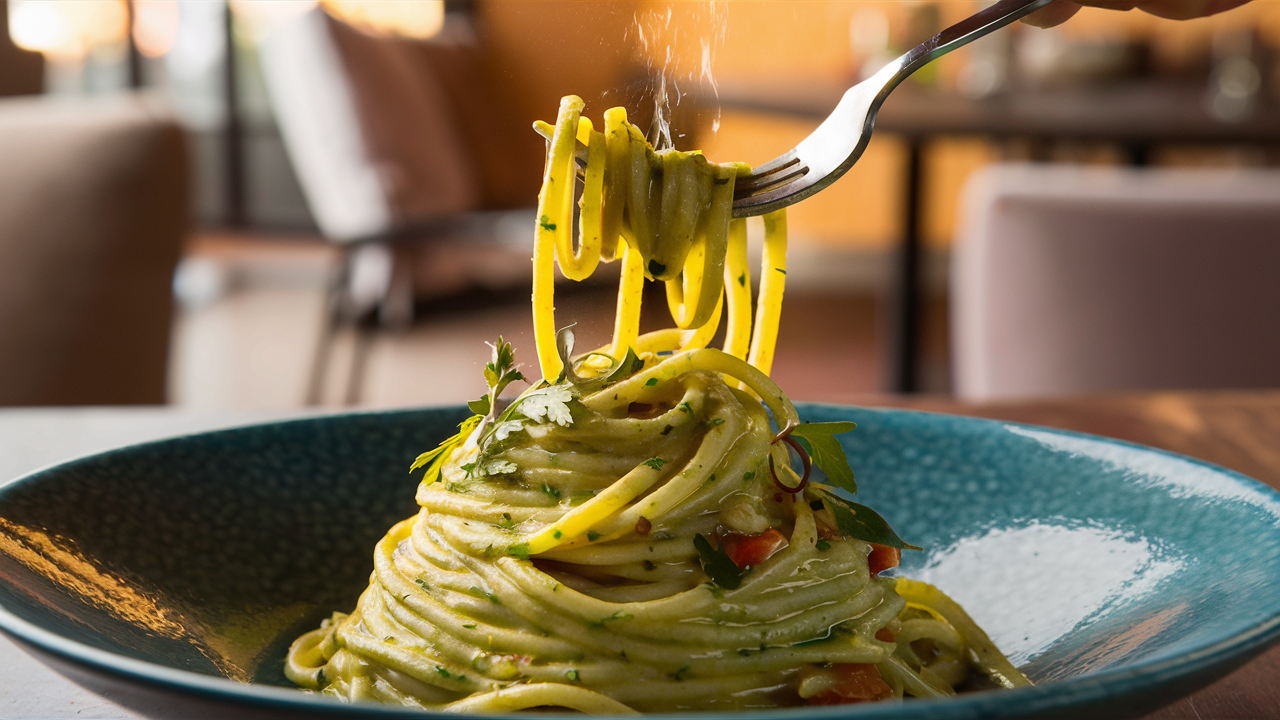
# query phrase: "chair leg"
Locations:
[[336, 302]]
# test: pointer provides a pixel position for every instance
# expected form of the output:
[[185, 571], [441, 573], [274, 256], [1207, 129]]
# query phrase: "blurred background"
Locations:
[[289, 203]]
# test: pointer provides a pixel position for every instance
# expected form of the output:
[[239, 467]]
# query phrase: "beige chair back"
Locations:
[[1076, 280], [94, 209]]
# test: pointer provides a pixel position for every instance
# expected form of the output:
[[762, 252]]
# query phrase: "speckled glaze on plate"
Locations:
[[1119, 577]]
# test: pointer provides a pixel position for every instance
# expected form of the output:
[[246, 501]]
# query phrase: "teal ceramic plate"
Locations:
[[1118, 577]]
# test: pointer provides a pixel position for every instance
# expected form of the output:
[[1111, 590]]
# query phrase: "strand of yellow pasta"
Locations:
[[704, 264], [617, 179], [579, 264], [685, 188], [737, 284], [553, 206], [626, 324], [773, 279]]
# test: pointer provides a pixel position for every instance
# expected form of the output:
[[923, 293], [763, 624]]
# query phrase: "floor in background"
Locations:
[[251, 311]]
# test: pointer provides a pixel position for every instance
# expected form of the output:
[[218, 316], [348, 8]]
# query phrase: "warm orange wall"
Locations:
[[599, 50]]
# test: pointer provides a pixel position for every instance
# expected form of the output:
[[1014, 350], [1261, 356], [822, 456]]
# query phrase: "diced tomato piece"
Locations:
[[855, 683], [882, 558], [751, 550], [884, 635]]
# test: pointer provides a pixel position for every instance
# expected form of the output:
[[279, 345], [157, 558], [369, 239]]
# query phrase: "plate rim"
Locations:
[[1116, 682]]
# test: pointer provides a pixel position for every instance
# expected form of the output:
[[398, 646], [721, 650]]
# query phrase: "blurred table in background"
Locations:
[[1136, 117], [1239, 430]]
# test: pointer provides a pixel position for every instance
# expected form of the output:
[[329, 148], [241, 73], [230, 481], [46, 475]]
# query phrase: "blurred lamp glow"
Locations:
[[67, 29], [155, 26], [406, 18], [258, 17]]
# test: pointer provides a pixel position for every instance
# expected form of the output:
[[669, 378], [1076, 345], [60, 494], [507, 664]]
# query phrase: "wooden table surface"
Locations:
[[1238, 430]]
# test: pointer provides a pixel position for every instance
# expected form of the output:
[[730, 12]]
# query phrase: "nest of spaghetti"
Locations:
[[633, 538]]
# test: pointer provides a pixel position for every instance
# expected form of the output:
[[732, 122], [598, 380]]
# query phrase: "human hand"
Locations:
[[1062, 10]]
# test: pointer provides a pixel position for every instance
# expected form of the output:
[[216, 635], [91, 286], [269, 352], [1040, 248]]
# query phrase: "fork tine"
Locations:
[[784, 160], [754, 180], [764, 184]]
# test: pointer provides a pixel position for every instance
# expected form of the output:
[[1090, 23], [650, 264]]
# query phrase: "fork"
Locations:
[[839, 141]]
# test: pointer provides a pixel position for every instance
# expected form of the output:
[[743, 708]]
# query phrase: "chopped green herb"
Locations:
[[616, 617], [684, 408], [550, 492], [862, 523], [826, 451], [651, 382], [469, 627], [557, 534], [546, 224], [784, 272], [443, 673], [592, 536], [519, 551], [748, 475], [479, 593], [572, 675], [715, 422], [422, 583], [507, 523], [656, 463], [717, 565], [742, 280], [823, 545]]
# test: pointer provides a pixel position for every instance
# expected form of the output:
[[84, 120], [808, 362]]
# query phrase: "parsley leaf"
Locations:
[[826, 451], [717, 565], [435, 459], [550, 402], [862, 523], [655, 462]]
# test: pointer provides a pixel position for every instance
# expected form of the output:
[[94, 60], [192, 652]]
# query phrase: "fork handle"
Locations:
[[979, 24]]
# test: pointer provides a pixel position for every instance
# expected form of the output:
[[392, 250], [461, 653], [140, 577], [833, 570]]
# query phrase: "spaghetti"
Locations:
[[628, 535]]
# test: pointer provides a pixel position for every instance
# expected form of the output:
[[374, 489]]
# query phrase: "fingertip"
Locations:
[[1054, 14]]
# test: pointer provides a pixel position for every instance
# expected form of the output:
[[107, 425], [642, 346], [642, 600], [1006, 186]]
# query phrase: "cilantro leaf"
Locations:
[[550, 403], [435, 459], [717, 565], [481, 406], [826, 451], [862, 523]]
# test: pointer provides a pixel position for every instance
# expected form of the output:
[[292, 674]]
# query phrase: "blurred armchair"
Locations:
[[1073, 280], [398, 144], [93, 214]]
